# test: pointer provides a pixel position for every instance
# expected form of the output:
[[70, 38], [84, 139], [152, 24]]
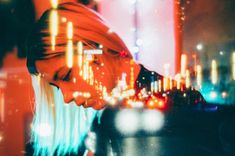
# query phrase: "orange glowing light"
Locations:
[[159, 85], [178, 80], [187, 79]]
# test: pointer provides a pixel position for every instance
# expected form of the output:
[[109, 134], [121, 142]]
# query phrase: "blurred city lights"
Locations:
[[127, 121], [221, 53], [152, 120], [224, 94], [199, 46], [187, 79], [213, 94]]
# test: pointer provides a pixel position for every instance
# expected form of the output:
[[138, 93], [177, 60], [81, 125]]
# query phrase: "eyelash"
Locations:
[[63, 77], [67, 76]]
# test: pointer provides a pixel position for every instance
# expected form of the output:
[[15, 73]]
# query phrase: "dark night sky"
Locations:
[[210, 22]]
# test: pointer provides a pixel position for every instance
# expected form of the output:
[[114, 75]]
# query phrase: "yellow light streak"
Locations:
[[171, 83], [214, 73], [165, 83], [80, 54], [199, 76], [70, 30], [178, 80], [91, 76], [187, 79], [132, 75], [53, 26], [69, 54], [183, 65], [54, 4], [159, 85]]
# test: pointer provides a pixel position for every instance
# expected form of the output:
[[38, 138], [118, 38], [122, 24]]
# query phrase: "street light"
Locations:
[[199, 46]]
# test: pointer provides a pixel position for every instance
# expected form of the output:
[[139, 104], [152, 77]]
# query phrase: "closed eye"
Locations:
[[62, 74], [55, 85]]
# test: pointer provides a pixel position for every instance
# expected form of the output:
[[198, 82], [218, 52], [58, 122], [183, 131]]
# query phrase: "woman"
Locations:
[[49, 66], [81, 68]]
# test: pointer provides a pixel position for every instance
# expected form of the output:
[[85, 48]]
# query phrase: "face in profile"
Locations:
[[85, 82], [87, 79]]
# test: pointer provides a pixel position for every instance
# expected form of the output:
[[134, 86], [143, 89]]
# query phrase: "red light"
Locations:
[[156, 103]]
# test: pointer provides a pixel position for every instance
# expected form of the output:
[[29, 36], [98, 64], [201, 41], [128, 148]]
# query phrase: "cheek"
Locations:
[[104, 76]]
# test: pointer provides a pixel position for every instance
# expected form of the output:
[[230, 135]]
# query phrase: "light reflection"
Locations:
[[233, 65], [214, 72], [127, 121]]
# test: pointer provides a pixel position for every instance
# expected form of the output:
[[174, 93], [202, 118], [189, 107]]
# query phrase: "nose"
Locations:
[[66, 94]]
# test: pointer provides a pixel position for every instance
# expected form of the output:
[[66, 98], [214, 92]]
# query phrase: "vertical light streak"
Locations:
[[69, 51], [178, 78], [69, 30], [171, 83], [69, 54], [91, 76], [85, 70], [159, 85], [166, 75], [54, 4], [2, 106], [214, 73], [152, 87], [80, 54], [132, 75], [199, 76], [165, 83], [233, 65], [187, 79], [155, 87], [183, 65], [53, 27]]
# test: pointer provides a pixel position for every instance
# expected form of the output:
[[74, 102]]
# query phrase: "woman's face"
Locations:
[[71, 81]]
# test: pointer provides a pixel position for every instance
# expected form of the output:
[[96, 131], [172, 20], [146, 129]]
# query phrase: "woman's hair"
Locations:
[[88, 27], [57, 127]]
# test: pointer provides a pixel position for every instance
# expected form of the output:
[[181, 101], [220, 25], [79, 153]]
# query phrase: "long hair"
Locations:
[[59, 127]]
